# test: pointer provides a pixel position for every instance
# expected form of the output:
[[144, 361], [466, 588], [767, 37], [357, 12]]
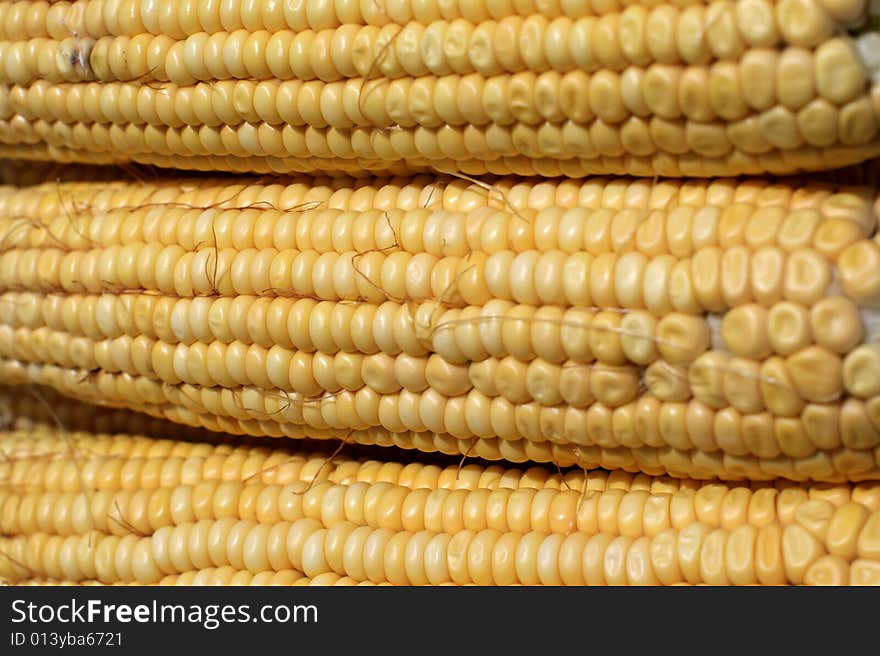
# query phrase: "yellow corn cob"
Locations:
[[562, 88], [183, 525], [700, 329]]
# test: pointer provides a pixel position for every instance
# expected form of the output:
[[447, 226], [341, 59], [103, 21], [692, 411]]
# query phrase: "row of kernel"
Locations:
[[833, 200], [681, 230], [125, 462], [747, 554], [498, 329], [777, 162], [649, 136], [98, 18], [837, 465], [714, 279], [118, 470], [631, 513]]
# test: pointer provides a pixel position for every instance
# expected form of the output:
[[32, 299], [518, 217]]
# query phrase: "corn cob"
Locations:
[[700, 329], [252, 527], [562, 88]]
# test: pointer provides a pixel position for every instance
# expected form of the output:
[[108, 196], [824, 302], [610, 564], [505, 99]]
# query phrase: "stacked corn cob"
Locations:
[[132, 509], [672, 332], [700, 329], [686, 87]]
